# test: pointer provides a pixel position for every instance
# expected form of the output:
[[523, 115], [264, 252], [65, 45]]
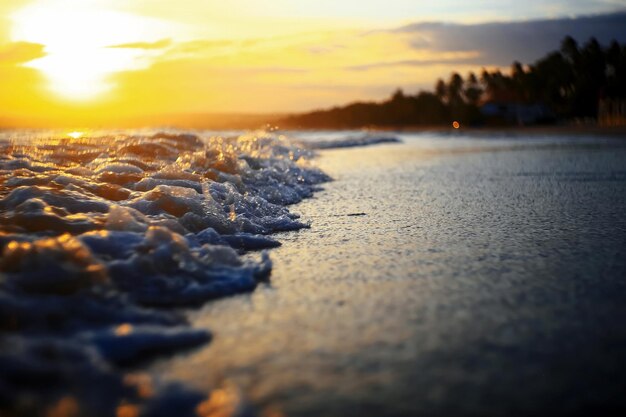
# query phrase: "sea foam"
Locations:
[[101, 236]]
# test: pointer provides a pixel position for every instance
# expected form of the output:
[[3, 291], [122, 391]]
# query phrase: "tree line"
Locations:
[[569, 83]]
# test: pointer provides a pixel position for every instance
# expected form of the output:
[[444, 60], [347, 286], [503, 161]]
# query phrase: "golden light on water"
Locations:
[[222, 402], [233, 214], [76, 134], [127, 410]]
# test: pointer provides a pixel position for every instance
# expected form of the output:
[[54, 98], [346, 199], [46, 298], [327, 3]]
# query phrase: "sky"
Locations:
[[86, 61]]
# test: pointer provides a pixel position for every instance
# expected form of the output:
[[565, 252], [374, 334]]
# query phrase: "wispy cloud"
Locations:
[[464, 58], [160, 44], [20, 52]]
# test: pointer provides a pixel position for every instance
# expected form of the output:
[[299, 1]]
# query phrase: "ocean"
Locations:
[[312, 273]]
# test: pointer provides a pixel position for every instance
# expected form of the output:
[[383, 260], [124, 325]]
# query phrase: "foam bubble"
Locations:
[[99, 234]]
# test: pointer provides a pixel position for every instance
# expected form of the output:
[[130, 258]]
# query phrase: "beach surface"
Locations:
[[444, 275]]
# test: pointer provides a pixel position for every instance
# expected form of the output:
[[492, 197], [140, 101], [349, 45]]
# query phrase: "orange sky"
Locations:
[[90, 61]]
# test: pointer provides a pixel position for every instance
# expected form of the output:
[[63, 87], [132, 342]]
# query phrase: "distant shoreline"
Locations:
[[617, 131]]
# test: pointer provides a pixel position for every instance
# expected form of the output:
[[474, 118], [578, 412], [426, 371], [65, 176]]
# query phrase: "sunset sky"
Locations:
[[84, 61]]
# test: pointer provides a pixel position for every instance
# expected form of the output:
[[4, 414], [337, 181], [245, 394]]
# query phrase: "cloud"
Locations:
[[269, 70], [468, 59], [161, 44], [325, 49], [500, 43], [20, 52], [204, 46]]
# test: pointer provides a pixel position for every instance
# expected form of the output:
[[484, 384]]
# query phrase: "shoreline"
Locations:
[[616, 131]]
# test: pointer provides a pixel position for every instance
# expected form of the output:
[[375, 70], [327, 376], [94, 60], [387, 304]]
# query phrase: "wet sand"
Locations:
[[447, 275]]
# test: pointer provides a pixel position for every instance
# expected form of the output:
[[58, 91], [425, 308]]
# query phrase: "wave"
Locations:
[[101, 236], [351, 142]]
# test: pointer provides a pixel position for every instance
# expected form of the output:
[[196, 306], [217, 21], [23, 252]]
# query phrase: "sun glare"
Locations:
[[75, 135], [78, 36]]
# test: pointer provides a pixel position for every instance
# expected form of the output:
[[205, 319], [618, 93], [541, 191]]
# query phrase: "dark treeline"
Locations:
[[563, 85]]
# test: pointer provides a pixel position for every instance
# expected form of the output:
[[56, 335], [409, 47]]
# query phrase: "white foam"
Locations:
[[98, 233]]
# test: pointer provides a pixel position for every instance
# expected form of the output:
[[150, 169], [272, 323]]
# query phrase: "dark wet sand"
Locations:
[[485, 278]]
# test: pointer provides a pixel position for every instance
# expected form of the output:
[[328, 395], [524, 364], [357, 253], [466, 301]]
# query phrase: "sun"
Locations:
[[78, 35], [76, 134]]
